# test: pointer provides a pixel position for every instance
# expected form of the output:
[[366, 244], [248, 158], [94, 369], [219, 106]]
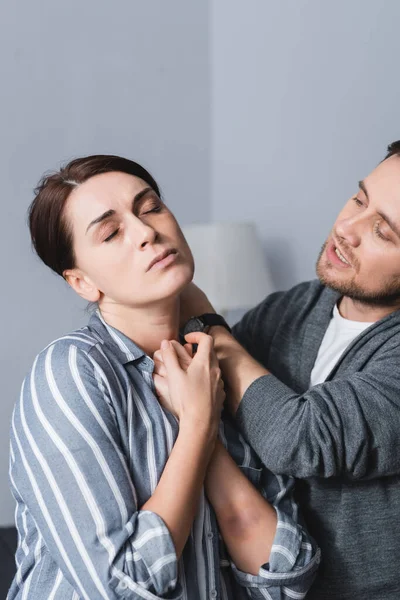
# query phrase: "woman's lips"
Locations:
[[165, 262]]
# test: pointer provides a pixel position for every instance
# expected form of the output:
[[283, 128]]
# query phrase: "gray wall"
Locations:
[[305, 98], [127, 77], [263, 110]]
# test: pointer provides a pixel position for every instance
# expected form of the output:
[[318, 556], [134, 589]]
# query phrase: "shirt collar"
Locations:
[[123, 347]]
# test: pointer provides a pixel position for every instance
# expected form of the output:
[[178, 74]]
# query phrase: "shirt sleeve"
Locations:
[[294, 556], [72, 474]]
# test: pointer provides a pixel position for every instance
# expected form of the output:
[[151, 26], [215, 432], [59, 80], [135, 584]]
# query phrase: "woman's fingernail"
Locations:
[[164, 344]]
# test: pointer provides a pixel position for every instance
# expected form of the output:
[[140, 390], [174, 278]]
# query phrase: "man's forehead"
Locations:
[[383, 183]]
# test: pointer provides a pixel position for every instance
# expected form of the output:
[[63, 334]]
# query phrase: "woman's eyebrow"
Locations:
[[108, 213], [111, 212], [140, 195]]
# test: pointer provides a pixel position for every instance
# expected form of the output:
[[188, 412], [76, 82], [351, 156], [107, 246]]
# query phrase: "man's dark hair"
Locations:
[[393, 148]]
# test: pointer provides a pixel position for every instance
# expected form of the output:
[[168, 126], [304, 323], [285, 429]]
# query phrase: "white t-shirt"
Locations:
[[340, 333]]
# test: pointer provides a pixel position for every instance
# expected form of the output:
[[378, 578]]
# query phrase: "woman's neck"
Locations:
[[148, 326]]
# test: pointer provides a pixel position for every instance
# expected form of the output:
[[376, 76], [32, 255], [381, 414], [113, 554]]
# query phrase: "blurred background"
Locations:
[[265, 111]]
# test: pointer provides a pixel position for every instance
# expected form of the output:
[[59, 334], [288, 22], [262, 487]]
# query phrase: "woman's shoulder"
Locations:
[[65, 377], [84, 339], [76, 346]]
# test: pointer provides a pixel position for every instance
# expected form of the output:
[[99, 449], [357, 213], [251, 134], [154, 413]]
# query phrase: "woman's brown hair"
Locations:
[[51, 235]]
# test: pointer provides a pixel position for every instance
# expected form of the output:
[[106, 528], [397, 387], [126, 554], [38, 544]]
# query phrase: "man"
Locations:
[[314, 383]]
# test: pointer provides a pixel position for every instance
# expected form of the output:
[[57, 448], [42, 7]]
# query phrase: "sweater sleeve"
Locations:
[[346, 426]]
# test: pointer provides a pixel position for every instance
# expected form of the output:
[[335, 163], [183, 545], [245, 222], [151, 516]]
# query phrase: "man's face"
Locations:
[[361, 257]]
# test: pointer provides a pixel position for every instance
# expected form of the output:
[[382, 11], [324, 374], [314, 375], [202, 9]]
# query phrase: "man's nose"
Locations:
[[350, 230]]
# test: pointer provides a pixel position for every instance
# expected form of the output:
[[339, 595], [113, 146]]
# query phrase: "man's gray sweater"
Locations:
[[340, 438]]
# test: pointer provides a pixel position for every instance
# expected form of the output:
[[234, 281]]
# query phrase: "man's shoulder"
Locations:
[[278, 309], [304, 294], [312, 288]]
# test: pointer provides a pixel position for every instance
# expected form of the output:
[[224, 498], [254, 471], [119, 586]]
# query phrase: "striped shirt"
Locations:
[[89, 442]]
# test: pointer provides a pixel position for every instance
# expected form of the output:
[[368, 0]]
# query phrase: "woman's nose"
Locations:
[[142, 233]]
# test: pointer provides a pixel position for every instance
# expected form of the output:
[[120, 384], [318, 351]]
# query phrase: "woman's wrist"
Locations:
[[199, 432]]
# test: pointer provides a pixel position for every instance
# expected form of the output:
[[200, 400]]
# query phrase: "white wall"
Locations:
[[128, 77], [305, 98]]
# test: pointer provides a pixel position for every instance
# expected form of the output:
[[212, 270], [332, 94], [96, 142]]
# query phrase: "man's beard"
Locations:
[[388, 296]]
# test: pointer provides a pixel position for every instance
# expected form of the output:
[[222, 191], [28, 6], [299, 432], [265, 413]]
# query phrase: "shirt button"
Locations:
[[210, 536], [123, 585], [213, 594]]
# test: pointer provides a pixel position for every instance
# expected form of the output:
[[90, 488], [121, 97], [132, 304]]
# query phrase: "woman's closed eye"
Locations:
[[153, 206], [113, 234]]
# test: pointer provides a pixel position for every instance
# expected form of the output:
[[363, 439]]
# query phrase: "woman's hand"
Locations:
[[185, 354], [190, 387]]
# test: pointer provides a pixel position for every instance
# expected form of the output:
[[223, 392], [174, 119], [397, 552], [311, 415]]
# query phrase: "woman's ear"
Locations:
[[82, 285]]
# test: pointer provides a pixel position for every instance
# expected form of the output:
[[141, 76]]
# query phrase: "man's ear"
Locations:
[[82, 285]]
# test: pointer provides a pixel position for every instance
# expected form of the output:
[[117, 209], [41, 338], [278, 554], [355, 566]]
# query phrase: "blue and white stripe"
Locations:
[[89, 441]]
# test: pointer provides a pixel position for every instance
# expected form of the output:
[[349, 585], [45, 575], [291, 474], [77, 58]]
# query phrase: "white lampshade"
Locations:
[[230, 264]]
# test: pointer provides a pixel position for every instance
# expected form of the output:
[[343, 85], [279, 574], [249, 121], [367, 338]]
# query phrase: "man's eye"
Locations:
[[357, 201], [110, 237], [379, 233]]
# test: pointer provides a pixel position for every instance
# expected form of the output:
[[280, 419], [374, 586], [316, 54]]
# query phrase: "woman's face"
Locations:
[[129, 249]]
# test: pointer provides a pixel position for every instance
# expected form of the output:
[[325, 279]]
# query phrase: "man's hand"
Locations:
[[193, 302]]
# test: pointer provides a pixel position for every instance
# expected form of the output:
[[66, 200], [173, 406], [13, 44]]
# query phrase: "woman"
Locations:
[[121, 494]]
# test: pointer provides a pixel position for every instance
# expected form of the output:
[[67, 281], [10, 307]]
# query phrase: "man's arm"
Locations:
[[346, 426]]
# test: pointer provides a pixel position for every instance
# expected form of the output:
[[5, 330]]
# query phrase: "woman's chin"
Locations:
[[176, 281]]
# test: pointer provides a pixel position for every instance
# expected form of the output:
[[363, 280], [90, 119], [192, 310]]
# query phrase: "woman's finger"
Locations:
[[196, 336], [161, 385], [189, 349], [182, 354], [170, 358], [159, 368], [162, 390], [205, 345], [157, 356]]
